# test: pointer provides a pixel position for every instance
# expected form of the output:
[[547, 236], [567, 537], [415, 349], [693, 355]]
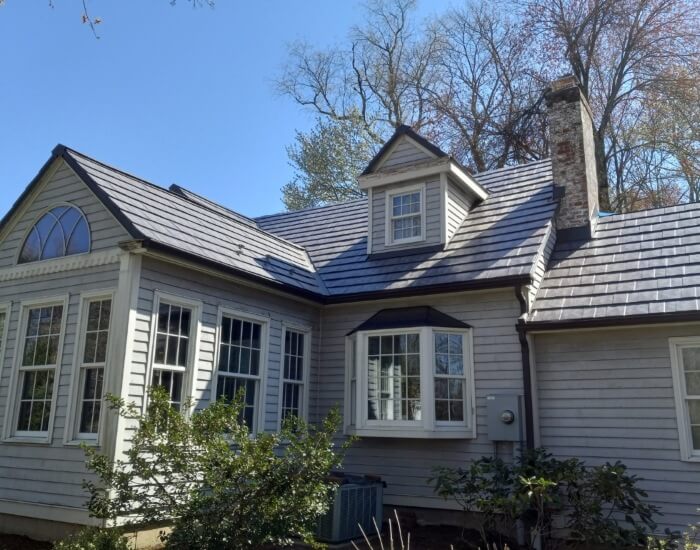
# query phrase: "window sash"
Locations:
[[174, 324], [405, 214], [43, 326], [689, 429], [294, 373], [240, 363], [92, 359]]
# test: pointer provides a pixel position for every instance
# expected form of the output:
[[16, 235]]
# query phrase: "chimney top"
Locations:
[[566, 89], [566, 81]]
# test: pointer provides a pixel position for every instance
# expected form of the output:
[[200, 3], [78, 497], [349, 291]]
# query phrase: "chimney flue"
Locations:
[[572, 148]]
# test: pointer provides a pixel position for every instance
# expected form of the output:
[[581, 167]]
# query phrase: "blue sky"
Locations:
[[171, 94]]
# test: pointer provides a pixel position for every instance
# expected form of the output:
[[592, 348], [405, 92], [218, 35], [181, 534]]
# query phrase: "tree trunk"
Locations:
[[602, 173]]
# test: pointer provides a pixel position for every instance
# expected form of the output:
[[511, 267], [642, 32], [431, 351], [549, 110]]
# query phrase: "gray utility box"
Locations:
[[357, 500], [504, 417]]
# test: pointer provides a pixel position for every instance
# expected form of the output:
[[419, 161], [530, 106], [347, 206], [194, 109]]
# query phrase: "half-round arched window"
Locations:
[[62, 231]]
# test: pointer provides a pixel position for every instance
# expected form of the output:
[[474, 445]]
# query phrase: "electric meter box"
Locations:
[[504, 417]]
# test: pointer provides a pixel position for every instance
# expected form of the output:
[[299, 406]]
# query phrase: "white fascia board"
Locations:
[[444, 166]]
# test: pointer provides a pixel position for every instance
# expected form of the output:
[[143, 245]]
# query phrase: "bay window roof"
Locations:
[[404, 317]]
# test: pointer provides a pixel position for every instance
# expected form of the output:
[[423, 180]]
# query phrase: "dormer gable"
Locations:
[[418, 195]]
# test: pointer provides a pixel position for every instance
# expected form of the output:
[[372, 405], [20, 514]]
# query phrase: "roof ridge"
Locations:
[[309, 208], [616, 216], [512, 167], [202, 197], [165, 190]]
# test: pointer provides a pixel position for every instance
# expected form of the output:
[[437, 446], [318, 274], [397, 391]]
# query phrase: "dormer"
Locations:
[[418, 195]]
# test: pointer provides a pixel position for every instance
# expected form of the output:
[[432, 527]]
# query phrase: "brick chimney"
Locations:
[[573, 159]]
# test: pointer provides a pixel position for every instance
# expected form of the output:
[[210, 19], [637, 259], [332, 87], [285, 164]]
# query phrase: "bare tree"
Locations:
[[486, 90], [619, 50]]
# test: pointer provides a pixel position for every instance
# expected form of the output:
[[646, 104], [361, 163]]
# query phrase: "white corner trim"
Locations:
[[57, 265], [443, 209]]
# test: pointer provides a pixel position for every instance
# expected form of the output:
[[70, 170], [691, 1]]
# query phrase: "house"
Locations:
[[413, 309]]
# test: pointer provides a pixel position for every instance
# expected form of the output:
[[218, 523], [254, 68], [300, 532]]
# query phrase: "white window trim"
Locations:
[[427, 427], [192, 353], [259, 415], [389, 211], [6, 308], [70, 431], [676, 346], [10, 433], [306, 331]]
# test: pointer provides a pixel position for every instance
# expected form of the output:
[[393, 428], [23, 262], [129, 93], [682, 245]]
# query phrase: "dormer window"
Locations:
[[406, 220]]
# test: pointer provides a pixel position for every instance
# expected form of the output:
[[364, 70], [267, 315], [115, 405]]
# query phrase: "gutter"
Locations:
[[617, 321], [521, 327]]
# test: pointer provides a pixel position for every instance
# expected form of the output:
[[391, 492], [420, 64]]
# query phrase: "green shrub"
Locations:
[[600, 505], [94, 538], [219, 487]]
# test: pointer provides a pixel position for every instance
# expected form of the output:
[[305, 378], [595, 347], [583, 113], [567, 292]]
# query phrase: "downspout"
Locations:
[[520, 294]]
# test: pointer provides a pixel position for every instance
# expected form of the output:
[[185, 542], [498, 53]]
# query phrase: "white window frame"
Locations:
[[428, 426], [6, 308], [190, 370], [258, 415], [676, 346], [306, 366], [389, 214], [71, 435], [10, 432]]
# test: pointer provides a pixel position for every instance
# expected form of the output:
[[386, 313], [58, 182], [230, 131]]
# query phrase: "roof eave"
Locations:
[[616, 321]]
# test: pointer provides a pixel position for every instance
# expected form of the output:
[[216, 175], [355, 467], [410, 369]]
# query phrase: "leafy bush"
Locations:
[[218, 487], [600, 505], [94, 538]]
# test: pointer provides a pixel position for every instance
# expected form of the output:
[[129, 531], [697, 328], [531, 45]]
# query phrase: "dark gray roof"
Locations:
[[191, 226], [639, 264], [405, 317], [498, 241]]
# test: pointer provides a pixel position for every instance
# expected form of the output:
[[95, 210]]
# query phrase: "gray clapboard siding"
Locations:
[[213, 293], [458, 205], [64, 186], [608, 395], [404, 463], [404, 153], [47, 474], [380, 211]]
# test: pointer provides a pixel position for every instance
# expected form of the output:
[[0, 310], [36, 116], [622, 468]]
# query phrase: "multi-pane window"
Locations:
[[173, 326], [293, 373], [92, 366], [393, 377], [449, 377], [687, 385], [62, 231], [40, 356], [240, 352], [406, 216]]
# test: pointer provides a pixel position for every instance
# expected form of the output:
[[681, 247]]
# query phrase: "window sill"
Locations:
[[25, 440], [78, 442], [415, 433]]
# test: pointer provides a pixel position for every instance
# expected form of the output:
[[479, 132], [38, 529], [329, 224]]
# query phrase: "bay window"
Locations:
[[410, 381]]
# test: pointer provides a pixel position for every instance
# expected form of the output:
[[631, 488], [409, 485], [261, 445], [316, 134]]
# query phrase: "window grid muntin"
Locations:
[[42, 335], [92, 367], [293, 373], [450, 375], [50, 231], [240, 343], [387, 353], [173, 331], [406, 216]]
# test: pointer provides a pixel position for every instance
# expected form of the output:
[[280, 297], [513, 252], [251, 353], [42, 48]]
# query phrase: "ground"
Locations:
[[13, 542]]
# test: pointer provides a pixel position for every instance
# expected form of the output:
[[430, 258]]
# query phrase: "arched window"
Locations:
[[62, 231]]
